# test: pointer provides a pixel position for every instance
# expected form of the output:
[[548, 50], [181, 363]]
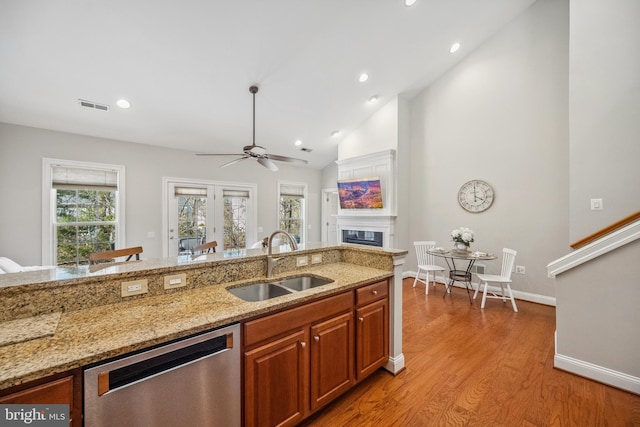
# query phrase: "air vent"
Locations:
[[306, 150], [93, 105]]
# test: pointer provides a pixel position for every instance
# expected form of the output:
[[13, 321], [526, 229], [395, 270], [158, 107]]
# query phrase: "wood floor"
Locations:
[[467, 366]]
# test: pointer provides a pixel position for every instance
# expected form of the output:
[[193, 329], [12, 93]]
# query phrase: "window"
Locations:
[[204, 211], [292, 209], [85, 210]]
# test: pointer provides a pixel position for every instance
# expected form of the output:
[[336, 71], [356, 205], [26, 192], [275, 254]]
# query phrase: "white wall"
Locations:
[[22, 150], [605, 112], [500, 115], [378, 133]]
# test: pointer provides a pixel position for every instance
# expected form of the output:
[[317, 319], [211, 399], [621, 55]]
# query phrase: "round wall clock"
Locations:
[[475, 196]]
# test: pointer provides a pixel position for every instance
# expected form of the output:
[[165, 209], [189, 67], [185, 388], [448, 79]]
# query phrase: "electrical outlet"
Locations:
[[175, 281], [301, 261], [134, 287], [316, 258], [520, 269]]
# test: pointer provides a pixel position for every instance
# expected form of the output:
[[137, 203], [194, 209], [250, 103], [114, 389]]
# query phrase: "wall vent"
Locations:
[[478, 268], [93, 105]]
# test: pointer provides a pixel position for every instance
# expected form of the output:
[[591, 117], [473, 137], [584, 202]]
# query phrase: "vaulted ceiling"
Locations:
[[186, 66]]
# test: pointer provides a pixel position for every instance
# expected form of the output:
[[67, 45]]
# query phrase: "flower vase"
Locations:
[[461, 247]]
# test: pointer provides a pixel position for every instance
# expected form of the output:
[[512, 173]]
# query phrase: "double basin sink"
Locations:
[[267, 290]]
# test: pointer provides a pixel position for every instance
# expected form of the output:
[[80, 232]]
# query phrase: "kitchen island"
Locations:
[[64, 319]]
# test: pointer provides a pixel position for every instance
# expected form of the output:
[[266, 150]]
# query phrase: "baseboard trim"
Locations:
[[597, 373], [395, 364], [521, 295]]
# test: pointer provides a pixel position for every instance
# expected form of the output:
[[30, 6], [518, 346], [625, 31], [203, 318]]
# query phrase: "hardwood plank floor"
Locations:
[[467, 366]]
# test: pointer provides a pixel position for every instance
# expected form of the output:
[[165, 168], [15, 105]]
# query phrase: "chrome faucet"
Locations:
[[271, 261]]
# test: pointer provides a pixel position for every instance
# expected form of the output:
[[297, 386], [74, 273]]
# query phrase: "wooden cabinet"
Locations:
[[331, 359], [300, 359], [297, 360], [372, 330], [59, 389]]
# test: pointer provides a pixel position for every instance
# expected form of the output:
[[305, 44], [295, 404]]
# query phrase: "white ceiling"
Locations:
[[186, 66]]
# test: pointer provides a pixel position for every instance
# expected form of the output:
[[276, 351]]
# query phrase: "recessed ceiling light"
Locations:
[[335, 133], [409, 2], [123, 103], [363, 77], [298, 142], [454, 47], [373, 99]]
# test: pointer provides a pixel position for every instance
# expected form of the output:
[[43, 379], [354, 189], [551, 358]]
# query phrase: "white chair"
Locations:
[[508, 258], [426, 263]]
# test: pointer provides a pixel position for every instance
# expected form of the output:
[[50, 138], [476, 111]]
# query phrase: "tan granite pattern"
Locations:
[[98, 333], [96, 323], [20, 330]]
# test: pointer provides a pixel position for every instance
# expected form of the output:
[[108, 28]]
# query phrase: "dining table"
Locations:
[[456, 272]]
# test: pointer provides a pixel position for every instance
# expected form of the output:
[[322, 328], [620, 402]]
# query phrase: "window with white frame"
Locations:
[[85, 215], [292, 209]]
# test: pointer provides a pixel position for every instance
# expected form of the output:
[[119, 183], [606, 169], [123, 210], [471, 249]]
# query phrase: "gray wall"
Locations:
[[21, 153], [597, 314], [604, 83], [500, 115]]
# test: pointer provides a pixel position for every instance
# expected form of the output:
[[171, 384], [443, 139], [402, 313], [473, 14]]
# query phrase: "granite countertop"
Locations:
[[82, 337]]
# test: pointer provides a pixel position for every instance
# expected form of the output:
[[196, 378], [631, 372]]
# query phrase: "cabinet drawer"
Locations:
[[54, 392], [373, 292], [273, 325]]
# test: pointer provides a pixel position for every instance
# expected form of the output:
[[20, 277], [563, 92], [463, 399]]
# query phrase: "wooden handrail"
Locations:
[[109, 255], [609, 229]]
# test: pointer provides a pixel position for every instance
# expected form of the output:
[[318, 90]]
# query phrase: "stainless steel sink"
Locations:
[[264, 291], [259, 291], [303, 282]]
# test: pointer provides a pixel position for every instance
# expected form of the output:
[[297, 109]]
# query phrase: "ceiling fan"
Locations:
[[257, 152]]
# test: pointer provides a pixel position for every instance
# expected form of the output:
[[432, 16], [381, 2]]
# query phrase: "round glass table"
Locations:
[[457, 274]]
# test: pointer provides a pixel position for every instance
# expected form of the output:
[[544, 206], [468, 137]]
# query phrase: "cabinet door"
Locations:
[[275, 382], [332, 348], [65, 390], [372, 336]]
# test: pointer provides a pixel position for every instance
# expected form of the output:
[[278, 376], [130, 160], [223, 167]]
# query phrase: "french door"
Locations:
[[199, 212]]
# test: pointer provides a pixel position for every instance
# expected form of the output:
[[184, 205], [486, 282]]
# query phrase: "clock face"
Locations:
[[475, 196]]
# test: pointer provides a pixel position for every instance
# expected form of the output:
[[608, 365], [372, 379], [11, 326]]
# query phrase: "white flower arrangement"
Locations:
[[462, 235]]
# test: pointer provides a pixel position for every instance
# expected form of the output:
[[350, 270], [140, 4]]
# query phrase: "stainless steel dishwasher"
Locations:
[[190, 382]]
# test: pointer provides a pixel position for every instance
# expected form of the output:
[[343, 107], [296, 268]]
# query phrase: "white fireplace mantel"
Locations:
[[382, 165]]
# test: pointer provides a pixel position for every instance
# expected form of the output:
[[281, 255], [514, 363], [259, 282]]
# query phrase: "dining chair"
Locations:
[[109, 256], [504, 279], [205, 247], [426, 263]]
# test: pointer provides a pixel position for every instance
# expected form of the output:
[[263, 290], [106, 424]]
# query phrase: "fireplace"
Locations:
[[362, 237]]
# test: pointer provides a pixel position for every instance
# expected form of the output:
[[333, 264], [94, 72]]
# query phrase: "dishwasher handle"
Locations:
[[147, 368]]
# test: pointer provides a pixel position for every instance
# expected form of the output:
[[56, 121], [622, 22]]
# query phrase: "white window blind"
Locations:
[[190, 192], [70, 178], [291, 190], [235, 193]]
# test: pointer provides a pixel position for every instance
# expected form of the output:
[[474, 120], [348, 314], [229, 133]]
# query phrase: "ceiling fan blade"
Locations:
[[264, 161], [286, 159], [218, 154], [234, 161]]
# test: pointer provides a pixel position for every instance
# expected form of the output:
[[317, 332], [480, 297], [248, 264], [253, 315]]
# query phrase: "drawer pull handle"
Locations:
[[374, 292], [316, 338], [303, 344], [361, 319]]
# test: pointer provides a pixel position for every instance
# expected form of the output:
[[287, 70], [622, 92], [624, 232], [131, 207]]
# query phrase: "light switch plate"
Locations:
[[175, 281], [134, 287]]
